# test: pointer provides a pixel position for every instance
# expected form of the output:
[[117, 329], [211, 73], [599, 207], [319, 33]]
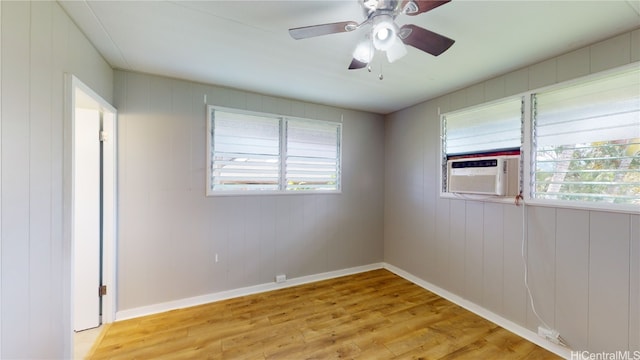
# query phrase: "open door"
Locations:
[[93, 208], [87, 206]]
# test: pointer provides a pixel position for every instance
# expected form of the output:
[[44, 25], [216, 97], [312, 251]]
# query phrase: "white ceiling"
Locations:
[[246, 45]]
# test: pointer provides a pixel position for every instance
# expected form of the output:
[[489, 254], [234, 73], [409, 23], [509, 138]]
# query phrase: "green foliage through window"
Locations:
[[586, 140], [601, 171]]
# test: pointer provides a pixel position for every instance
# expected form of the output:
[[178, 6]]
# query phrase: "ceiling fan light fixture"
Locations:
[[396, 51], [384, 32], [363, 51]]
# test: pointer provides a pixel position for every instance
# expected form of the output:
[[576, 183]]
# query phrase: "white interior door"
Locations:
[[92, 202], [109, 214], [86, 218]]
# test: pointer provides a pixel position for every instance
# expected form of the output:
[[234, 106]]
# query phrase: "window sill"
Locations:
[[480, 197], [616, 208], [578, 205], [270, 193]]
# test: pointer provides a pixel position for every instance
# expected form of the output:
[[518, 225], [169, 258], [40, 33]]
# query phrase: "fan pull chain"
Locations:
[[372, 51], [370, 69]]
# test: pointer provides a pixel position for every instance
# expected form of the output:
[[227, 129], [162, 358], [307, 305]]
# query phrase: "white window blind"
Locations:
[[251, 152], [245, 152], [586, 140], [313, 155], [493, 127]]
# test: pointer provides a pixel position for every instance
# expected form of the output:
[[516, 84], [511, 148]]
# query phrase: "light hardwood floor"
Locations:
[[371, 315]]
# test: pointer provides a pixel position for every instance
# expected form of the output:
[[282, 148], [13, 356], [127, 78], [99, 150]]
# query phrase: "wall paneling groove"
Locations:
[[39, 45]]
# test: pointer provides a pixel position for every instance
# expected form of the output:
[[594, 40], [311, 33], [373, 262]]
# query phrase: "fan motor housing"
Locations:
[[370, 7]]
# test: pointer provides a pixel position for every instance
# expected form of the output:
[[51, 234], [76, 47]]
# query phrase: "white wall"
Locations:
[[39, 44], [169, 231], [584, 265]]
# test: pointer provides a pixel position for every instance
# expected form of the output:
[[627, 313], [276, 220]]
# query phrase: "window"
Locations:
[[586, 141], [485, 130], [246, 152], [252, 153], [313, 155]]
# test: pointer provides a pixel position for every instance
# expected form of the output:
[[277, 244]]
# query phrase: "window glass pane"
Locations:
[[313, 155], [484, 128], [587, 141], [246, 152]]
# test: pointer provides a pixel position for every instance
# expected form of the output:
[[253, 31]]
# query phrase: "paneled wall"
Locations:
[[170, 232], [584, 266], [39, 44]]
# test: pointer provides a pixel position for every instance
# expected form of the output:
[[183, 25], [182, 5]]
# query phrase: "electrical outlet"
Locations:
[[550, 335], [281, 278]]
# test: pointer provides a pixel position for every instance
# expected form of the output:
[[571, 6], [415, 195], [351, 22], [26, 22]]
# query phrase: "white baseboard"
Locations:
[[480, 311], [229, 294]]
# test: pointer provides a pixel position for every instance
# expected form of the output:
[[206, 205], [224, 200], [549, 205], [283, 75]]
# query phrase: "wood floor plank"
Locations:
[[371, 315]]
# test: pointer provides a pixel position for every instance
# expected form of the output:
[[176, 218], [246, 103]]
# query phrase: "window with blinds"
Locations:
[[245, 153], [486, 130], [313, 155], [483, 129], [586, 141], [251, 152]]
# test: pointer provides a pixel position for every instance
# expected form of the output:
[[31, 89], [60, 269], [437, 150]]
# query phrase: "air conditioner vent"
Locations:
[[474, 163], [496, 175]]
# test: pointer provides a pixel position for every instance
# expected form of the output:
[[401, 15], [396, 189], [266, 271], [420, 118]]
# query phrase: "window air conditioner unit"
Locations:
[[494, 175]]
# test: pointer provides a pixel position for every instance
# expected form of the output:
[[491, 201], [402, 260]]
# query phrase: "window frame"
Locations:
[[527, 153], [530, 149], [444, 156], [282, 138]]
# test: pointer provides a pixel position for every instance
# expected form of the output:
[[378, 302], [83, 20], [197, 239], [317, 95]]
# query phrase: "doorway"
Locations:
[[93, 207]]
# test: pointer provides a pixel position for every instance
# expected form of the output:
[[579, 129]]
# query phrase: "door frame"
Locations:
[[109, 196]]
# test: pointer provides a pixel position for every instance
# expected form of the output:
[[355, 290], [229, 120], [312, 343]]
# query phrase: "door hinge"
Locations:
[[102, 290], [103, 136]]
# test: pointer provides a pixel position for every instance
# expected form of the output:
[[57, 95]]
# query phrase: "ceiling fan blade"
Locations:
[[324, 29], [357, 64], [422, 6], [425, 40]]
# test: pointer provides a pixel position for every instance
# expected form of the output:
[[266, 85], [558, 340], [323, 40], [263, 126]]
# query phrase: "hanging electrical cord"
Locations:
[[520, 200], [526, 266]]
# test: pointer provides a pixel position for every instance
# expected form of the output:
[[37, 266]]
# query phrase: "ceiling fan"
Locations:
[[383, 33]]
